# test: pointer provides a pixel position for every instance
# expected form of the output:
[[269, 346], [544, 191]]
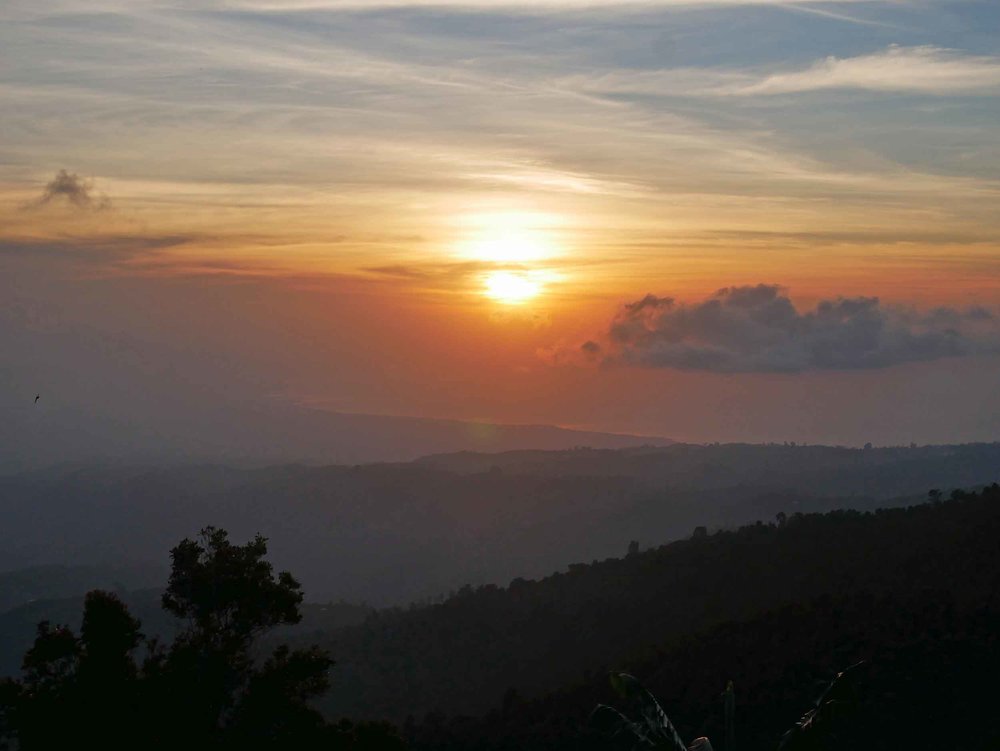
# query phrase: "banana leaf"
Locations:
[[819, 720], [650, 726]]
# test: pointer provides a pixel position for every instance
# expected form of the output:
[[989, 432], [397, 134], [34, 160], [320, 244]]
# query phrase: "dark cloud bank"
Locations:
[[758, 329]]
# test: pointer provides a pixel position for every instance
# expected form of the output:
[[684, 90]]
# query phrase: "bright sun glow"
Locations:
[[512, 287], [516, 246], [520, 246], [510, 237]]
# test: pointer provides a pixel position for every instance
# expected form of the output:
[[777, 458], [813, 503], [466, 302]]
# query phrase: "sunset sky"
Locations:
[[703, 219]]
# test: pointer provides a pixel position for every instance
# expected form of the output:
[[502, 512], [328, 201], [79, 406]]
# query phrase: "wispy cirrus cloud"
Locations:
[[923, 70], [310, 124], [535, 6], [21, 9]]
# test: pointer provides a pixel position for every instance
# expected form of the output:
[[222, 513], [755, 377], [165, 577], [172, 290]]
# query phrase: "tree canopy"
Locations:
[[213, 686]]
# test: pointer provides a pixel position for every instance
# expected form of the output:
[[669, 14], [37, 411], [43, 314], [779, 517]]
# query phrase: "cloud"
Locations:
[[534, 6], [758, 329], [271, 120], [447, 270], [76, 190], [924, 70], [93, 248]]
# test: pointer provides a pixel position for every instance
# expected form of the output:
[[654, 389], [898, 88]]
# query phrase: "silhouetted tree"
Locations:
[[76, 687], [211, 688], [230, 596]]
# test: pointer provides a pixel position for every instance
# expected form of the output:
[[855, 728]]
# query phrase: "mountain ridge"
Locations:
[[258, 436]]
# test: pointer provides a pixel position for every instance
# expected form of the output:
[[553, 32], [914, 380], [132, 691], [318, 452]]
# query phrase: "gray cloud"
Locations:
[[758, 329], [444, 272], [75, 190], [113, 247]]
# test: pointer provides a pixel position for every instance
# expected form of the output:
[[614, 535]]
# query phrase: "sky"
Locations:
[[702, 219]]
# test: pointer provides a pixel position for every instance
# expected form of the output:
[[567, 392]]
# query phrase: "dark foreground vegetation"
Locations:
[[910, 595], [778, 608], [109, 687]]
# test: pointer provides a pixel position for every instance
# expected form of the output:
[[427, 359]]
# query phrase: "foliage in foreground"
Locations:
[[914, 592], [826, 725], [111, 687]]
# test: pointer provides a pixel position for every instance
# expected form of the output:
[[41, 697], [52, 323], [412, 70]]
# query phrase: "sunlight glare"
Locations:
[[511, 247], [512, 237], [512, 287]]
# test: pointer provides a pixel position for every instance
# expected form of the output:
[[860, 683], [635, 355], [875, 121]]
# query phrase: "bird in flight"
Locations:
[[37, 397]]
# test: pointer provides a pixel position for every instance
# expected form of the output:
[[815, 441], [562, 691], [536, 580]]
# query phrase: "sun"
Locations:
[[512, 287], [512, 253]]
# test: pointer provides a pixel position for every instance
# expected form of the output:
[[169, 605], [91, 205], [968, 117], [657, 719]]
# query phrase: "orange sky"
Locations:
[[404, 209]]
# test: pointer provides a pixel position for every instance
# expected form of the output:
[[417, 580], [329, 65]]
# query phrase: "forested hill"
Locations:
[[927, 681], [462, 656], [830, 471], [392, 534]]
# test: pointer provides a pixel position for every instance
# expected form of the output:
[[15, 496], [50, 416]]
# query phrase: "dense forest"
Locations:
[[929, 681], [776, 607]]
